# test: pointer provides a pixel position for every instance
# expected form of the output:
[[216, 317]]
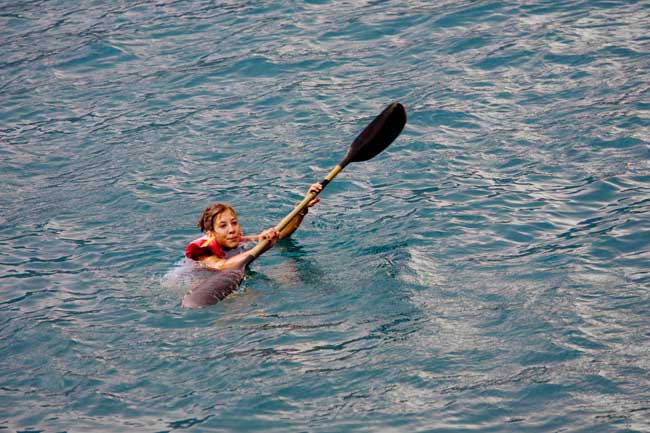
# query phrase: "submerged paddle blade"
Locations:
[[216, 287], [378, 135]]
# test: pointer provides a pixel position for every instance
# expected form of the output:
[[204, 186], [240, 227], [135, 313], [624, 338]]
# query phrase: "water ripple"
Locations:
[[487, 270]]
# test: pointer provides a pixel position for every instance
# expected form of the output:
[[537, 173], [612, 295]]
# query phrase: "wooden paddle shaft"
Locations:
[[374, 138], [261, 246]]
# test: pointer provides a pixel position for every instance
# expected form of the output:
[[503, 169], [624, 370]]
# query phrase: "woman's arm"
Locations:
[[295, 222], [218, 264], [293, 225]]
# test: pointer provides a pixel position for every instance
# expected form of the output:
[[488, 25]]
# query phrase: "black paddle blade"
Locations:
[[214, 288], [378, 135]]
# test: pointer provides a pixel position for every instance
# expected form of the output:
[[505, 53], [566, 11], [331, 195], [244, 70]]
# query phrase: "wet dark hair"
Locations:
[[210, 212]]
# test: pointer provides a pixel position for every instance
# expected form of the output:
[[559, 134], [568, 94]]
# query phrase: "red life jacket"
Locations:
[[201, 247]]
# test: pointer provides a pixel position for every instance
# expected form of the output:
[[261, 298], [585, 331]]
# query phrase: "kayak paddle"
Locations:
[[375, 137]]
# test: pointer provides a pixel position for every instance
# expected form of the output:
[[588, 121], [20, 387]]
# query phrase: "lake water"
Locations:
[[488, 272]]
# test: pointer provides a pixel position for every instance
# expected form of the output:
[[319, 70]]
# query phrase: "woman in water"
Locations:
[[223, 246]]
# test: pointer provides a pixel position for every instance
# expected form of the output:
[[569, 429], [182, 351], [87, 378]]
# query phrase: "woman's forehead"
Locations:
[[226, 215]]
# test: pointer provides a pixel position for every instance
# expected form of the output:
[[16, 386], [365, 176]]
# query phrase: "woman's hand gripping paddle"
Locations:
[[376, 137]]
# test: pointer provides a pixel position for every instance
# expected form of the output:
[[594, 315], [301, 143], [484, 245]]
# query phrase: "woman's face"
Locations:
[[226, 230]]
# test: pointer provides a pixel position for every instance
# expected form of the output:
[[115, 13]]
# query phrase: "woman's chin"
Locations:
[[230, 244]]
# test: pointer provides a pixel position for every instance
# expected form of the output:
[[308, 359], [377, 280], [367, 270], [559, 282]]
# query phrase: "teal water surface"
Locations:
[[488, 272]]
